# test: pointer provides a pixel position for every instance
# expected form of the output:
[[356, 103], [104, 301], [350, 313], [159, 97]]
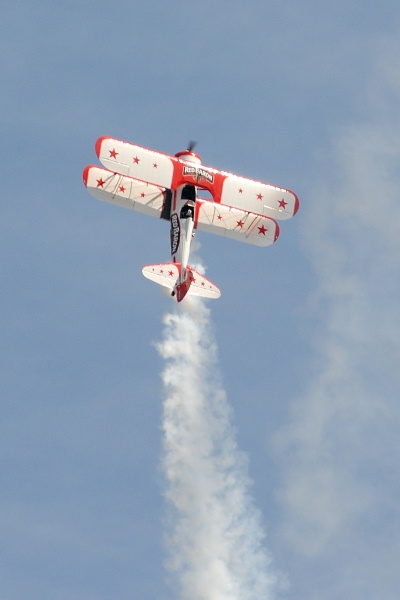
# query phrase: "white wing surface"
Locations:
[[124, 191], [235, 224], [258, 197], [141, 163]]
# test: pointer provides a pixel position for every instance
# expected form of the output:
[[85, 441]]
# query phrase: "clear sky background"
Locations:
[[304, 95]]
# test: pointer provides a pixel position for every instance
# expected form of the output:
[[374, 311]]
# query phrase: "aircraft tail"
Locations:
[[190, 282]]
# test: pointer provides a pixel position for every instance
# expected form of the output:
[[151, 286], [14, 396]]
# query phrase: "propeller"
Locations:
[[191, 145]]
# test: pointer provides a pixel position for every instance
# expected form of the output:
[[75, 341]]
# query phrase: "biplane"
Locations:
[[167, 187]]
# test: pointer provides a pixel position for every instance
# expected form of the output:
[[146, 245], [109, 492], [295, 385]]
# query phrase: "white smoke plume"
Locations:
[[215, 533], [340, 452]]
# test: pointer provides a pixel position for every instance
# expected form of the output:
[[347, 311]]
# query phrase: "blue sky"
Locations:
[[302, 95]]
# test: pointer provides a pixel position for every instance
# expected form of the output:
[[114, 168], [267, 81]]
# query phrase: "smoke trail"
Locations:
[[214, 531], [340, 450]]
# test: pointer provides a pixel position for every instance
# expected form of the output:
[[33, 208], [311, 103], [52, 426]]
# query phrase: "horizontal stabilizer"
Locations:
[[166, 274]]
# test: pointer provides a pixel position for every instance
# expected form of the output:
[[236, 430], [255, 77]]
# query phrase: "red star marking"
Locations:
[[155, 165], [203, 284], [282, 203], [260, 196], [136, 160], [121, 188], [100, 182], [170, 273], [142, 195], [113, 153], [240, 223], [162, 271], [219, 218], [262, 230], [240, 191]]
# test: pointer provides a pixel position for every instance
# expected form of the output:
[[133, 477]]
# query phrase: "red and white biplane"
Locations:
[[166, 187]]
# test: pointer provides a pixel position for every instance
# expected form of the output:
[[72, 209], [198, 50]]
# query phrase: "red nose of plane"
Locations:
[[189, 156]]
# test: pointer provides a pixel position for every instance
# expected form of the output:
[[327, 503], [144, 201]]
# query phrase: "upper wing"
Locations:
[[129, 159], [235, 224], [124, 191], [170, 172], [258, 197]]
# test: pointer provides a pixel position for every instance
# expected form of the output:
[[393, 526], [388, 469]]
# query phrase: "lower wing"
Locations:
[[125, 191], [235, 224], [227, 221]]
